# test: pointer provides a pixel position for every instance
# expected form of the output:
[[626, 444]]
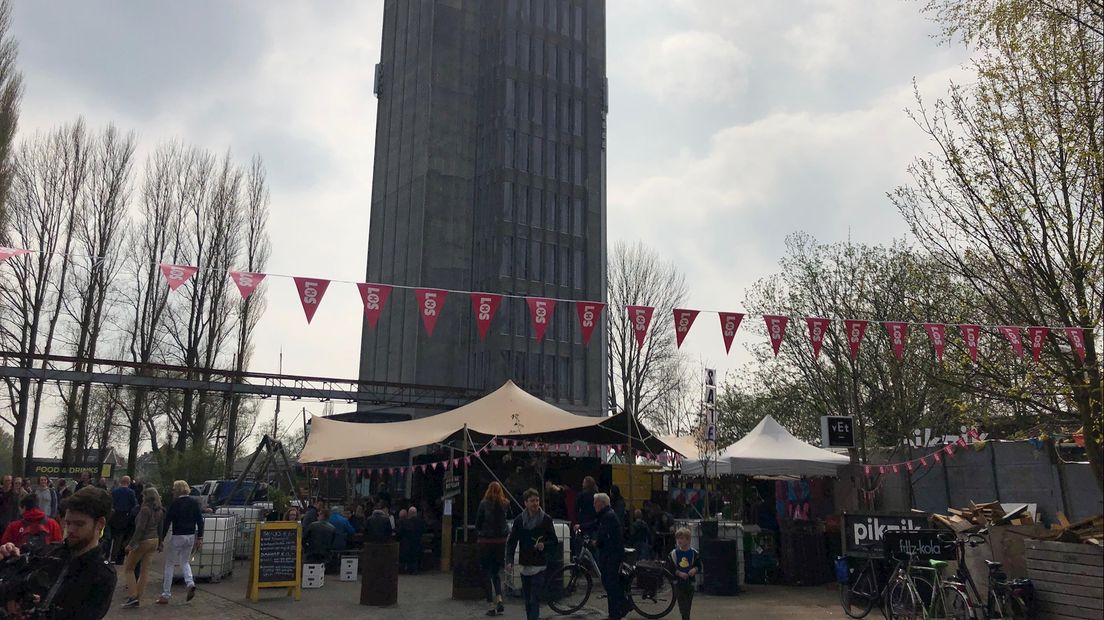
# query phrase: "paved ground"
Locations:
[[427, 596]]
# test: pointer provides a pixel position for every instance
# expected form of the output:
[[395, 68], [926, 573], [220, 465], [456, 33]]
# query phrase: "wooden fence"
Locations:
[[1068, 577]]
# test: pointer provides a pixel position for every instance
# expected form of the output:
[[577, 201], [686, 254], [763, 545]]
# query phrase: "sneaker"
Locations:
[[162, 600], [130, 602], [500, 609], [492, 612], [191, 592]]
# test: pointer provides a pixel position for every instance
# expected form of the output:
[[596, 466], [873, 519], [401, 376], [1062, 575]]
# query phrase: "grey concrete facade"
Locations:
[[489, 176]]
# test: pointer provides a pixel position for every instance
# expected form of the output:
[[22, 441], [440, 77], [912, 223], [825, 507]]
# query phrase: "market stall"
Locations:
[[785, 500]]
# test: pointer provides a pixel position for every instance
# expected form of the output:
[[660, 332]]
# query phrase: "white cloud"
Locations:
[[693, 66]]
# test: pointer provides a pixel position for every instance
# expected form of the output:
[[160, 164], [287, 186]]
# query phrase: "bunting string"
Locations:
[[485, 305]]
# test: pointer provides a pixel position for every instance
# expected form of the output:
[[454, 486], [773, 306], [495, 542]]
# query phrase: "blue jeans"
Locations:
[[532, 586]]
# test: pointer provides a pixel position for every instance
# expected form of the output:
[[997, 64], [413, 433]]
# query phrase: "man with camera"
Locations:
[[83, 585]]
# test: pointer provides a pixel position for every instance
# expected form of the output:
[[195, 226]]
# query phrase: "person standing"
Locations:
[[532, 532], [318, 539], [342, 530], [492, 533], [588, 518], [8, 505], [147, 532], [47, 497], [684, 563], [33, 528], [377, 529], [411, 558], [123, 502], [186, 522], [610, 542], [640, 536], [84, 481]]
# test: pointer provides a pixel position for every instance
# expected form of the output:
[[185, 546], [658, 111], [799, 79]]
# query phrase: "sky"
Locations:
[[732, 124]]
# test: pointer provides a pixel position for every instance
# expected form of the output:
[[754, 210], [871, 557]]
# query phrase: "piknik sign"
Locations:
[[864, 532]]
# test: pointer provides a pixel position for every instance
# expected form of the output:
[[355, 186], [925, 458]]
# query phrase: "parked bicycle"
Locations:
[[869, 584], [649, 586], [908, 596], [1004, 598]]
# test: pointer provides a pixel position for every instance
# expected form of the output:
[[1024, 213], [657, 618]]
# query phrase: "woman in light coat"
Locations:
[[147, 533]]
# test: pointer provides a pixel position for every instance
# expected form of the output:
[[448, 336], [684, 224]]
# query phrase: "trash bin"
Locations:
[[379, 569]]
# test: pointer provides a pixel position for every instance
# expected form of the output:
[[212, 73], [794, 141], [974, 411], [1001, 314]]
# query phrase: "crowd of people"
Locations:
[[330, 530]]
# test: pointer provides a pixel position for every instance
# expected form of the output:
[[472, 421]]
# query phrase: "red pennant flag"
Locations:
[[938, 457], [1036, 336], [896, 469], [881, 469], [467, 460], [949, 449], [961, 442], [683, 320], [938, 335], [776, 328], [246, 281], [898, 334], [540, 311], [455, 461], [311, 291], [374, 296], [176, 275], [867, 469], [730, 322], [436, 465], [855, 330], [1076, 337], [640, 317], [910, 467], [6, 253], [923, 461], [484, 307], [971, 334], [1013, 336], [588, 312], [430, 302], [818, 329]]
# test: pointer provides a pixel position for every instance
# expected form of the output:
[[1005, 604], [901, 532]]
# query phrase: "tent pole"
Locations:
[[631, 460], [467, 442]]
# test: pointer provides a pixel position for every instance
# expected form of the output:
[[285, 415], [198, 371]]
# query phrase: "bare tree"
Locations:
[[154, 239], [250, 309], [100, 221], [11, 91], [640, 377], [50, 171]]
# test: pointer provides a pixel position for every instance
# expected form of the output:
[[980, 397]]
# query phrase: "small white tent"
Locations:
[[770, 450]]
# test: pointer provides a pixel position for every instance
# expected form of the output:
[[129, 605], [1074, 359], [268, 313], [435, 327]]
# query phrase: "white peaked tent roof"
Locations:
[[507, 411], [770, 450]]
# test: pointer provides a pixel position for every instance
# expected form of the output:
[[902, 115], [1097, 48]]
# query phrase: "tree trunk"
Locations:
[[138, 413]]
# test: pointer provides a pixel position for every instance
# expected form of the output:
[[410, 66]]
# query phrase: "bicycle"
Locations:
[[859, 593], [649, 587], [1005, 598]]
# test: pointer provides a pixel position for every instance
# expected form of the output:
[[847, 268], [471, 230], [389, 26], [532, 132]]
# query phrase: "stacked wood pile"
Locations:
[[1068, 578], [977, 516]]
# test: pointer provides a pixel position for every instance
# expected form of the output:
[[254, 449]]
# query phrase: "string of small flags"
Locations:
[[928, 460], [571, 449]]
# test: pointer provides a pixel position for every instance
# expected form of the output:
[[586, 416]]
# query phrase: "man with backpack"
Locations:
[[33, 529]]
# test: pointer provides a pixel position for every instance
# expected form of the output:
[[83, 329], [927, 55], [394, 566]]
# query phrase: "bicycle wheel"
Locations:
[[653, 596], [858, 598], [902, 601], [568, 589], [953, 603], [1007, 605]]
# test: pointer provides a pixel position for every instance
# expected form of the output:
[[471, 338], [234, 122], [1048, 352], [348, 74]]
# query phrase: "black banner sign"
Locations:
[[863, 533], [923, 545]]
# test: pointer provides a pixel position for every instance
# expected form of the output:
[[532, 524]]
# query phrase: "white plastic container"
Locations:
[[314, 575], [349, 567], [215, 559]]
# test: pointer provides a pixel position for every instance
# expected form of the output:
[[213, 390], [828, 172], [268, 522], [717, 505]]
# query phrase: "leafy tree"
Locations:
[[1010, 200]]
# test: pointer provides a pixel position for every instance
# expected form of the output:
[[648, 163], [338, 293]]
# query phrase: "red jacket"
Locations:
[[15, 531]]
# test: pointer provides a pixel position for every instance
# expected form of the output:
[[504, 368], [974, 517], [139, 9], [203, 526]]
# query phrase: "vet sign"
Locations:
[[837, 431], [864, 532]]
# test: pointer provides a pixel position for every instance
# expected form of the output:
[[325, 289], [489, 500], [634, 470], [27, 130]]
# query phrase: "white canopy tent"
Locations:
[[770, 450], [509, 411]]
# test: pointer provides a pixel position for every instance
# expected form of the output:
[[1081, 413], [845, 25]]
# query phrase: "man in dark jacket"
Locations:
[[318, 538], [532, 532], [123, 503], [377, 529], [610, 542], [410, 534]]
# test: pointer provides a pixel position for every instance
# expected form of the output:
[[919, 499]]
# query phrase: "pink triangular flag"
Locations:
[[176, 275], [246, 281], [6, 253]]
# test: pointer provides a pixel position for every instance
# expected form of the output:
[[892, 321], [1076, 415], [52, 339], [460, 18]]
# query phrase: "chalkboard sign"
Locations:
[[279, 555], [276, 560]]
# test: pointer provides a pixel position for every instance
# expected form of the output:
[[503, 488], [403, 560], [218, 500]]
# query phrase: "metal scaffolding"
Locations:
[[263, 385]]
